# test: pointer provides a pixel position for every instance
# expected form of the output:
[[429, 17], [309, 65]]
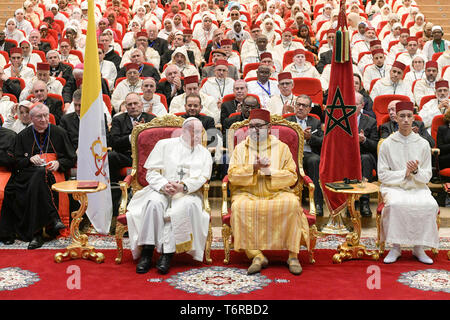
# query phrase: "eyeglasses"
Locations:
[[304, 105], [257, 126]]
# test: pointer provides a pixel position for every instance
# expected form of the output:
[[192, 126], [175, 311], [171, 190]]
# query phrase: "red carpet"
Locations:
[[323, 280]]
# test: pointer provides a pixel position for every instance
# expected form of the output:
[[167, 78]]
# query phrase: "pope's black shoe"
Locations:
[[145, 261], [163, 264], [319, 209], [365, 209], [36, 242]]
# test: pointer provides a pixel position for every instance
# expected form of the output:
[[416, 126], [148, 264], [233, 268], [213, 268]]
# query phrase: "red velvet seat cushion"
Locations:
[[146, 141], [122, 218], [445, 172]]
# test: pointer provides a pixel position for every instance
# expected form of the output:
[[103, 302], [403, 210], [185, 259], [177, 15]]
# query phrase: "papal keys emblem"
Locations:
[[100, 153]]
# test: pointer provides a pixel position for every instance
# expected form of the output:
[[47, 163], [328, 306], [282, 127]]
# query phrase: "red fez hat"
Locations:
[[299, 51], [284, 76], [399, 65], [141, 34], [375, 42], [101, 46], [221, 62], [187, 31], [43, 25], [441, 84], [130, 66], [191, 79], [412, 39], [32, 105], [331, 31], [404, 105], [255, 26], [64, 40], [226, 42], [261, 114], [370, 28], [431, 64], [221, 51], [43, 66], [265, 55], [15, 50], [287, 30], [404, 30], [374, 52], [49, 14]]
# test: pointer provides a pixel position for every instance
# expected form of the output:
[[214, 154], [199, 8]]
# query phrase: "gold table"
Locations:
[[79, 248], [351, 248]]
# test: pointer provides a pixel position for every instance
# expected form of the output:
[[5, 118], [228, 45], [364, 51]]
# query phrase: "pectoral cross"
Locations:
[[181, 173]]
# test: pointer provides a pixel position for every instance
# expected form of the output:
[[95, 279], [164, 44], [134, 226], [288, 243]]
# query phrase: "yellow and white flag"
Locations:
[[92, 149]]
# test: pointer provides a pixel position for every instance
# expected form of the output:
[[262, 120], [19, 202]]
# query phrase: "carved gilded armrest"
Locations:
[[206, 204], [124, 185], [225, 196], [311, 187]]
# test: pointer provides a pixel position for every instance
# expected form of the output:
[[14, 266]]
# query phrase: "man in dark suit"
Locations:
[[5, 45], [193, 107], [392, 126], [57, 68], [368, 143], [110, 54], [313, 134], [173, 86], [145, 70], [8, 85], [35, 40], [156, 43], [325, 58], [240, 92], [218, 35], [178, 41], [120, 140]]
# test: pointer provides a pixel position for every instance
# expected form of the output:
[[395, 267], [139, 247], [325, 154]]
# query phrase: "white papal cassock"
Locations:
[[147, 213], [410, 211]]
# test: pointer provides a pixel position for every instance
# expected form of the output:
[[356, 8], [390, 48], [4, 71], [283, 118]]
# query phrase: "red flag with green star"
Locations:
[[340, 157]]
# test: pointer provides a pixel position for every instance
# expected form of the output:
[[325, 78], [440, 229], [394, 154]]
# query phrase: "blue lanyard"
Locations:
[[43, 144], [267, 91]]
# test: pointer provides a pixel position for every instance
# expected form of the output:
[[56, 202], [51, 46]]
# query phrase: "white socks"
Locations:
[[393, 254], [420, 254]]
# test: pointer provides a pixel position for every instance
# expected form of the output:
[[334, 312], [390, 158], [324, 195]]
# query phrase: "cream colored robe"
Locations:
[[409, 215], [266, 214]]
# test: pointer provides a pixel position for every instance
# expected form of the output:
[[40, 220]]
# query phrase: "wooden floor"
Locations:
[[437, 12]]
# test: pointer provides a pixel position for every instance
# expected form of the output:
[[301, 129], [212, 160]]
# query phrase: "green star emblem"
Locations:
[[339, 121]]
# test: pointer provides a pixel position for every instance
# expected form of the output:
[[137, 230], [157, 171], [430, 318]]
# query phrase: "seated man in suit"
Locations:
[[386, 129], [326, 52], [40, 92], [110, 54], [35, 39], [266, 213], [240, 91], [313, 135], [158, 44], [120, 137], [368, 142], [173, 85]]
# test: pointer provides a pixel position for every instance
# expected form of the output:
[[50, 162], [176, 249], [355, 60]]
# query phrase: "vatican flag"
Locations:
[[92, 149]]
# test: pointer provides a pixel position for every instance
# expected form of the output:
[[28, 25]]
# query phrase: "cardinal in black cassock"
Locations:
[[29, 204]]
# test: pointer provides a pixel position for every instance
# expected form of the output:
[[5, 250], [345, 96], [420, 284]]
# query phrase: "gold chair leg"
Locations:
[[379, 244], [120, 231], [208, 246], [313, 234], [226, 233]]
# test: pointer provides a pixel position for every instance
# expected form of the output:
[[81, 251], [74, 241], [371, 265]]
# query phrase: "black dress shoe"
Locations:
[[163, 264], [9, 241], [319, 210], [36, 242], [145, 262], [365, 209], [58, 225]]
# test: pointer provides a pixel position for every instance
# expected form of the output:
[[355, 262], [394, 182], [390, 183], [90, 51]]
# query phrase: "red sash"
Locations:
[[4, 177]]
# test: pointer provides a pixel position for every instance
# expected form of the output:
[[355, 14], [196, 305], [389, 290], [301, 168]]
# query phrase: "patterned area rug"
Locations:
[[109, 242]]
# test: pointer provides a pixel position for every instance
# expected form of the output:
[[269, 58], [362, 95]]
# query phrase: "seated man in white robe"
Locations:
[[377, 70], [410, 211], [191, 85], [392, 84], [426, 85], [16, 68], [300, 68], [220, 85], [151, 101], [436, 106], [285, 101], [263, 87], [167, 214]]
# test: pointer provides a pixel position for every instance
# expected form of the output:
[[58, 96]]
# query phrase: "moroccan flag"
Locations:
[[340, 157], [92, 149]]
